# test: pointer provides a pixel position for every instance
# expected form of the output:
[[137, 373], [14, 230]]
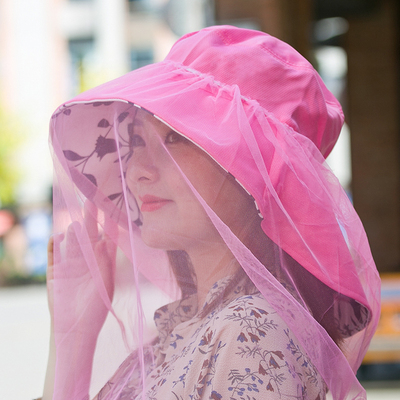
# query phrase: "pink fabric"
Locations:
[[262, 113]]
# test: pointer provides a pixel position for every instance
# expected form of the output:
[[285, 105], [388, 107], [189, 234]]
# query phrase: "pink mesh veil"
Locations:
[[195, 190]]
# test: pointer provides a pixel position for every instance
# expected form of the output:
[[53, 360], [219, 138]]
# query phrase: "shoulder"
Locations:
[[250, 320], [246, 312], [258, 352]]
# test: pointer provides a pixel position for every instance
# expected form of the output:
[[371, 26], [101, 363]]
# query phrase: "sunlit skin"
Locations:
[[173, 218]]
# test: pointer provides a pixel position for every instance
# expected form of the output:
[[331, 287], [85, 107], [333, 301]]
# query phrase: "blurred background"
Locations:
[[51, 50]]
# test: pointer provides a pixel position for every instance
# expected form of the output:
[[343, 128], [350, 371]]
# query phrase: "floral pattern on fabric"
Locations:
[[241, 351]]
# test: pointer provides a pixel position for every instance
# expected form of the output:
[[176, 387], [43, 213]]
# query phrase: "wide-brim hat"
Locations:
[[266, 117]]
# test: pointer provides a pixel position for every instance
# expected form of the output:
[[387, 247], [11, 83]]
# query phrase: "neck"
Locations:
[[212, 260], [211, 263]]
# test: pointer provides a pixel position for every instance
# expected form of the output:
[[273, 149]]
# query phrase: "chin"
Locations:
[[159, 239]]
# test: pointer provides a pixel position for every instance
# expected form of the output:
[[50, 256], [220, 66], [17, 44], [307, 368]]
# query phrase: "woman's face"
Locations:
[[173, 218]]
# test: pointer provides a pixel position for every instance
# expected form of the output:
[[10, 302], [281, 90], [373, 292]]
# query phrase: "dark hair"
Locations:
[[314, 295], [183, 270]]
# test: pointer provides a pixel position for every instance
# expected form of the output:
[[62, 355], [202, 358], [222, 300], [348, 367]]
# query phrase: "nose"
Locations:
[[142, 168]]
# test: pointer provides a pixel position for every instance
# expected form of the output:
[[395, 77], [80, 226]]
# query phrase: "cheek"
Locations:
[[183, 228], [130, 180], [209, 182], [234, 206]]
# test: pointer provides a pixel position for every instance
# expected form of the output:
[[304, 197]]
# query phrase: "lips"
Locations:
[[152, 203]]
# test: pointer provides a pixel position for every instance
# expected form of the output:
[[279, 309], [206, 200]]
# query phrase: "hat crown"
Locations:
[[269, 71]]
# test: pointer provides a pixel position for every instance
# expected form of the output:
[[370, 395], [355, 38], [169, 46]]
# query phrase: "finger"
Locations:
[[111, 237], [73, 247], [50, 252], [106, 265], [110, 228], [111, 231], [57, 239], [108, 249], [53, 249], [90, 214]]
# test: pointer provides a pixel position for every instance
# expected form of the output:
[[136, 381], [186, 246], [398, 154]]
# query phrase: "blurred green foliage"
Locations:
[[10, 139]]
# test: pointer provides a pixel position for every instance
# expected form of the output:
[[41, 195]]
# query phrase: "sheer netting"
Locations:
[[204, 249]]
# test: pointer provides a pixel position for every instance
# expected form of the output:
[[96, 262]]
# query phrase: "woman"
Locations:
[[200, 183]]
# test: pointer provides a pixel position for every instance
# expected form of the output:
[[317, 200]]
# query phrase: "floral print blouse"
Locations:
[[242, 350]]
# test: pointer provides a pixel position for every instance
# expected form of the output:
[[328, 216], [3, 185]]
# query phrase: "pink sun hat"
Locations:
[[267, 118]]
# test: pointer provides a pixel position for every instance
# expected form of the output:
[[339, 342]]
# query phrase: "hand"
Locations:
[[84, 284], [82, 293]]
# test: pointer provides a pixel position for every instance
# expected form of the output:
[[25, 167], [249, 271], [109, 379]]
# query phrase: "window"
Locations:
[[140, 58], [80, 50]]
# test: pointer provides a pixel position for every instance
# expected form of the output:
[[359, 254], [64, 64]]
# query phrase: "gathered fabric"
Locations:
[[207, 250]]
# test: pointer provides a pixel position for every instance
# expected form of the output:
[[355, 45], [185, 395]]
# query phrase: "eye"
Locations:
[[136, 141], [173, 137]]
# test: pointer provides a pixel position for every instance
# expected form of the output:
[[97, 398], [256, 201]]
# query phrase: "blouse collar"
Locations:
[[168, 317]]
